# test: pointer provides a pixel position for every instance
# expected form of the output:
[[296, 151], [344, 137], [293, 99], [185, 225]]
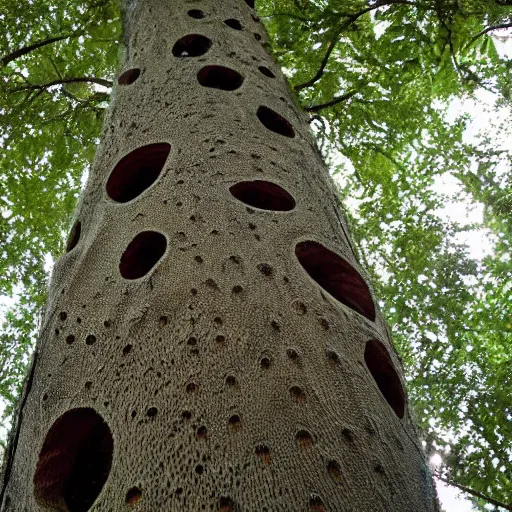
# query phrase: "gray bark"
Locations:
[[234, 367]]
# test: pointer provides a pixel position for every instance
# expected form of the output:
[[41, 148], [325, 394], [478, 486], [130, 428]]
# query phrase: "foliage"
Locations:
[[377, 78]]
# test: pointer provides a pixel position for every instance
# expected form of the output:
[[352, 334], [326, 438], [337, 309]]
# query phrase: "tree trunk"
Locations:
[[210, 342]]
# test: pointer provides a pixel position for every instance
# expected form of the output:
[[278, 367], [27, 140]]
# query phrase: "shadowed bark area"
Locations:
[[205, 343]]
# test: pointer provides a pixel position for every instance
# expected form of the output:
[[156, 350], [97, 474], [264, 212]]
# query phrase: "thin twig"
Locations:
[[334, 39], [82, 79], [39, 44], [486, 30], [477, 494], [334, 101]]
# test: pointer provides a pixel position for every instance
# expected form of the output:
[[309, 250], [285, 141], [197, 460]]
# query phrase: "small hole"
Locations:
[[237, 289], [316, 504], [196, 14], [265, 269], [152, 412], [383, 372], [226, 505], [133, 496], [347, 435], [220, 338], [298, 394], [234, 421], [336, 276], [255, 18], [233, 24], [191, 45], [257, 36], [275, 122], [263, 452], [90, 340], [264, 195], [63, 315], [292, 354], [334, 469], [333, 358], [70, 339], [250, 3], [88, 385], [45, 397], [218, 320], [192, 387], [201, 433], [186, 415], [304, 439], [142, 254], [220, 77], [74, 462], [199, 469], [129, 76], [74, 236], [265, 363], [231, 381], [127, 350], [264, 70], [137, 171]]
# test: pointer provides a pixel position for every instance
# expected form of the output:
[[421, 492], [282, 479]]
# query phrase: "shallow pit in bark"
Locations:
[[220, 77], [336, 276], [133, 496], [137, 171], [142, 254], [383, 372], [196, 14], [74, 236], [232, 23], [264, 195], [265, 71], [129, 76], [74, 462], [191, 45], [275, 122]]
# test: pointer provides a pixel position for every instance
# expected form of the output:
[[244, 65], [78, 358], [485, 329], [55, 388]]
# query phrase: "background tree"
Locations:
[[378, 78]]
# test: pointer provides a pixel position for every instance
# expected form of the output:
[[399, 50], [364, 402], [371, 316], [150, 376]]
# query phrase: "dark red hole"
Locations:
[[336, 276], [227, 505], [233, 24], [264, 195], [381, 367], [137, 171], [275, 122], [74, 462], [196, 13], [129, 76], [220, 77], [316, 504], [142, 254], [133, 496], [191, 45], [264, 70], [74, 236]]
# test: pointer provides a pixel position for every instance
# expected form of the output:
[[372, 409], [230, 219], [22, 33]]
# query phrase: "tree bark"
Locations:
[[210, 341]]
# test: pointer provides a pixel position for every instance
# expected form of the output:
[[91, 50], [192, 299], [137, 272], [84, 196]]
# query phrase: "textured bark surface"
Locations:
[[199, 352]]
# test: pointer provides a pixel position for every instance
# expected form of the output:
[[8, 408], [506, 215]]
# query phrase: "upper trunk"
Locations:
[[211, 342]]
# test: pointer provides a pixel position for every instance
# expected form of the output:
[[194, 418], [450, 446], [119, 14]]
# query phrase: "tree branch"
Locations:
[[39, 44], [60, 81], [351, 18], [477, 494], [334, 101], [486, 30]]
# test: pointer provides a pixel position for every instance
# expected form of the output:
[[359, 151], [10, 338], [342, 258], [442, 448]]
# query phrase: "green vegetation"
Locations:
[[377, 79]]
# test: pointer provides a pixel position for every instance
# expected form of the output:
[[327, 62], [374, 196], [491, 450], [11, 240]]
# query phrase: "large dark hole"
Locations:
[[220, 77], [74, 236], [231, 22], [264, 195], [74, 462], [129, 76], [275, 122], [137, 171], [196, 14], [191, 45], [381, 367], [336, 276], [142, 254]]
